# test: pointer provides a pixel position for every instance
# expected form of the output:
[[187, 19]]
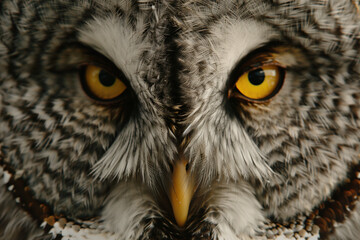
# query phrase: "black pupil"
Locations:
[[106, 79], [256, 77]]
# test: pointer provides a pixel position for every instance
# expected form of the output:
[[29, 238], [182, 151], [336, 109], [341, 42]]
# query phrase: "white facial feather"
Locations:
[[126, 207], [233, 207], [233, 39], [116, 40], [254, 164], [136, 142], [228, 45]]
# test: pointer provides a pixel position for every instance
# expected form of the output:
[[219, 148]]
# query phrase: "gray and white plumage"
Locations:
[[251, 161]]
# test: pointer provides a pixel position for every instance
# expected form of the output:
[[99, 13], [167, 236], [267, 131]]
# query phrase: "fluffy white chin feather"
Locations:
[[234, 209], [128, 204]]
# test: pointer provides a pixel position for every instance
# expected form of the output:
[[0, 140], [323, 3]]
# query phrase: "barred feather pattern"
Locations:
[[308, 134], [251, 161]]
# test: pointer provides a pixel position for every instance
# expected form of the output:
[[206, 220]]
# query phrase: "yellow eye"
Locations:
[[101, 84], [260, 83]]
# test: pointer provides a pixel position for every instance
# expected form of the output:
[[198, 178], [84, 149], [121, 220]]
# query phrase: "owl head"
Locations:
[[178, 119]]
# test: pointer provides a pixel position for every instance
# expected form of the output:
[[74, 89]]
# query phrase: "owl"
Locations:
[[188, 119]]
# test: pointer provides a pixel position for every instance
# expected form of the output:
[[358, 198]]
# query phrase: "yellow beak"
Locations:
[[181, 192]]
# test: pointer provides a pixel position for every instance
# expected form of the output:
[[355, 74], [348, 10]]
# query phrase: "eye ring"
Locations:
[[101, 85], [258, 83]]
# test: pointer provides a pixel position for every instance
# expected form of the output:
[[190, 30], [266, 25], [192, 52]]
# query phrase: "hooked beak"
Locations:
[[181, 191]]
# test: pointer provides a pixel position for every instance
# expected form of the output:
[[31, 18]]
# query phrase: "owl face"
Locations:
[[180, 119]]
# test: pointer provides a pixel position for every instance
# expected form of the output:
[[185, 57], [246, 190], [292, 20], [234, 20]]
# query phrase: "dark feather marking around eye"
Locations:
[[84, 55]]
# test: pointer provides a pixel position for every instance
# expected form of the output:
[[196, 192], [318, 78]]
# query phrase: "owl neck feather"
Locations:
[[320, 223]]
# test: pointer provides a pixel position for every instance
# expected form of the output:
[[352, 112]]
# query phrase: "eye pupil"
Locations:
[[106, 79], [257, 76]]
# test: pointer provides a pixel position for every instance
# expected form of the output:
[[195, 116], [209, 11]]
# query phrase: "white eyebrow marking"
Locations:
[[117, 40]]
